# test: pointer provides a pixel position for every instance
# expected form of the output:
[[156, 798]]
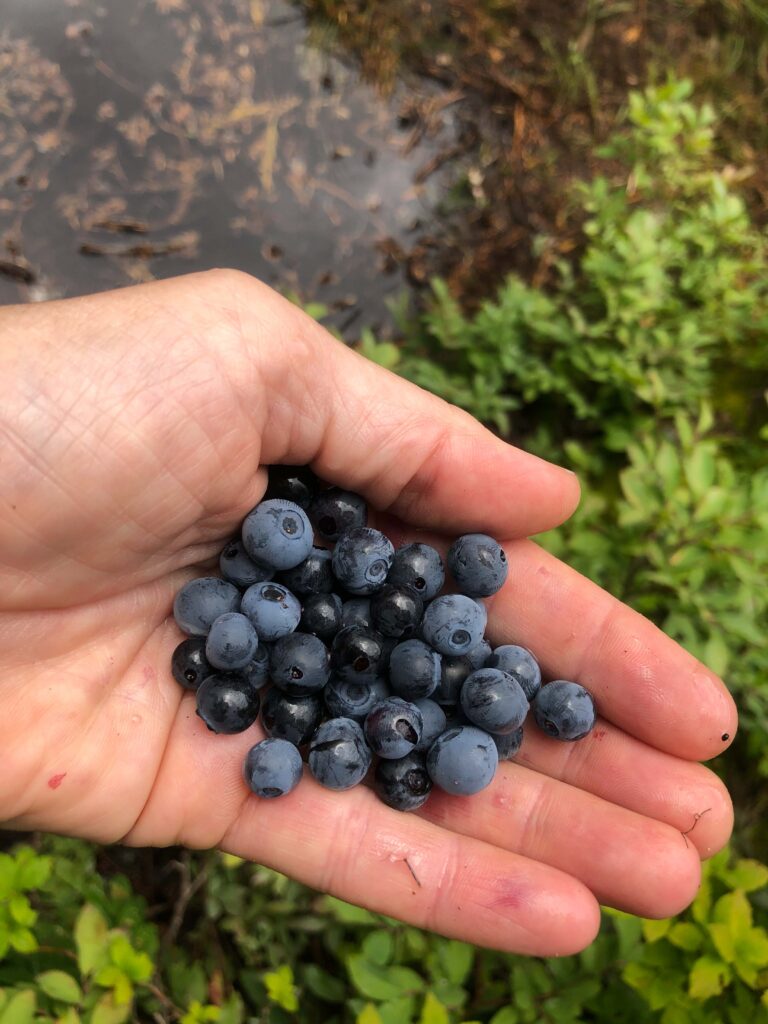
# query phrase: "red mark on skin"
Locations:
[[149, 674], [598, 734], [56, 780], [510, 895]]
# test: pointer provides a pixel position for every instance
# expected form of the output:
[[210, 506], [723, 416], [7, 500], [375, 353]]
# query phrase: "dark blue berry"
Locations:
[[357, 612], [353, 700], [393, 727], [200, 602], [519, 663], [238, 568], [232, 642], [434, 720], [257, 669], [321, 615], [292, 483], [508, 744], [403, 783], [493, 701], [414, 670], [463, 760], [454, 624], [189, 664], [361, 560], [479, 655], [299, 663], [312, 576], [420, 567], [478, 564], [272, 768], [396, 611], [358, 655], [453, 672], [227, 703], [290, 717], [273, 610], [335, 511], [277, 534], [339, 757], [564, 710]]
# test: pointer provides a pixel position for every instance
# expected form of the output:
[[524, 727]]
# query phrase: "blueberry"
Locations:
[[277, 533], [335, 511], [463, 760], [564, 710], [361, 560], [519, 663], [203, 600], [273, 610], [414, 670], [434, 721], [339, 757], [393, 727], [257, 669], [238, 568], [292, 483], [232, 642], [479, 655], [508, 744], [227, 703], [357, 612], [396, 611], [321, 615], [291, 717], [358, 655], [299, 664], [493, 701], [420, 567], [403, 783], [453, 672], [353, 700], [312, 576], [454, 624], [272, 768], [478, 564], [189, 664]]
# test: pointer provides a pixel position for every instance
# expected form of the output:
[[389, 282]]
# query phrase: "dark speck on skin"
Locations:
[[725, 736]]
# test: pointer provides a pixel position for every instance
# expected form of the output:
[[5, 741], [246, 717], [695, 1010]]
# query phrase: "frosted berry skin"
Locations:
[[414, 670], [299, 664], [278, 534], [335, 511], [354, 700], [454, 624], [272, 768], [200, 602], [508, 744], [257, 669], [434, 723], [403, 783], [290, 717], [361, 560], [519, 663], [564, 710], [478, 564], [321, 615], [236, 567], [189, 664], [232, 642], [312, 576], [494, 701], [479, 656], [339, 757], [420, 567], [393, 728], [396, 611], [273, 610], [292, 483], [463, 760], [357, 612], [227, 703]]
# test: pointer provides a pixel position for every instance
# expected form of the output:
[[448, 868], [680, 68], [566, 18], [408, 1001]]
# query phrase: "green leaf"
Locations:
[[21, 911], [60, 985], [734, 910], [23, 940], [395, 1011], [506, 1015], [456, 958], [20, 1008], [685, 936], [347, 913], [32, 870], [708, 977], [433, 1011], [716, 653], [91, 933], [655, 930], [378, 946], [107, 1011], [323, 985], [700, 468], [380, 983], [747, 875], [368, 1015], [280, 988]]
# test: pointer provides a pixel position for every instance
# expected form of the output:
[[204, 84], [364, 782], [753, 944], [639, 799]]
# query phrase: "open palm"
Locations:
[[133, 426]]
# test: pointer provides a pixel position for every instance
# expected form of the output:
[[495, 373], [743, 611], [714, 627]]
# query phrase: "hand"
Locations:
[[133, 427]]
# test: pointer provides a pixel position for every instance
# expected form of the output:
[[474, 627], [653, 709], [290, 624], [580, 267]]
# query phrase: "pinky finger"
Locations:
[[400, 865]]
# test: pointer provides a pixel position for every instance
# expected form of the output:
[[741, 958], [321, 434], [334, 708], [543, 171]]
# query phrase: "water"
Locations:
[[145, 139]]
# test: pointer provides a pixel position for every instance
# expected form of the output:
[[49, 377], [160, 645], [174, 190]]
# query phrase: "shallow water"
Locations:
[[145, 139]]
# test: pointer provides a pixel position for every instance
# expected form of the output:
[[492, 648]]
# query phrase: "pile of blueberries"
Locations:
[[362, 652]]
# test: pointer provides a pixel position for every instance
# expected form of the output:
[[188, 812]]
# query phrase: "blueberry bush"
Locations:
[[646, 369]]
